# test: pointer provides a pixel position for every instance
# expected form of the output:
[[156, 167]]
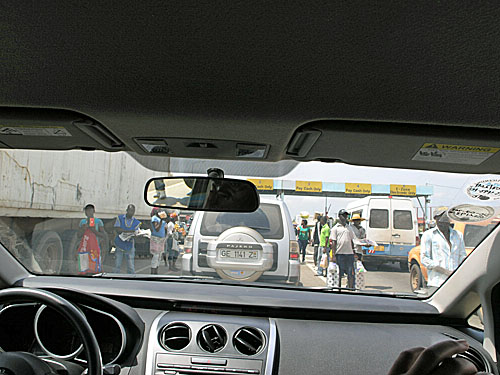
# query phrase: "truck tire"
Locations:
[[71, 241], [415, 277], [48, 252]]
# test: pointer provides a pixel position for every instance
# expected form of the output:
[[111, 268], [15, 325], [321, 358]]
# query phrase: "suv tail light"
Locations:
[[188, 244], [294, 250]]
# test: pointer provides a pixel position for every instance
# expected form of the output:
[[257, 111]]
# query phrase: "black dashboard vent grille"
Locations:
[[212, 338], [476, 358], [248, 341], [175, 336], [472, 355]]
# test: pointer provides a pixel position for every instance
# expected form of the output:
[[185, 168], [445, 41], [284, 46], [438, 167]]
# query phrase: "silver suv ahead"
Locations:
[[244, 246]]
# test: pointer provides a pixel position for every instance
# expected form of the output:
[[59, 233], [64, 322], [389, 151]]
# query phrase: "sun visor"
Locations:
[[412, 146], [50, 129], [167, 164]]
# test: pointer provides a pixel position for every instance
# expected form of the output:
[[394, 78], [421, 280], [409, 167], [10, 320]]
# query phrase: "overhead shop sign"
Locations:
[[456, 154], [407, 190], [309, 186], [262, 184], [351, 188]]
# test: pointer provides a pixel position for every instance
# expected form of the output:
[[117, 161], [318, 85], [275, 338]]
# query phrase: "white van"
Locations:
[[392, 223], [244, 246]]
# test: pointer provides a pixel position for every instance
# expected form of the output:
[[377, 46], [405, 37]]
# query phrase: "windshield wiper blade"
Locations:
[[367, 291], [150, 277], [337, 289]]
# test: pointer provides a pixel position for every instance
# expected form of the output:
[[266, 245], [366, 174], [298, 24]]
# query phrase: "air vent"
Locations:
[[476, 358], [249, 341], [212, 338], [472, 355], [175, 336]]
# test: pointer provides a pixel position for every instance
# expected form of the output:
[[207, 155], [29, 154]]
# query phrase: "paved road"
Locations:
[[388, 277]]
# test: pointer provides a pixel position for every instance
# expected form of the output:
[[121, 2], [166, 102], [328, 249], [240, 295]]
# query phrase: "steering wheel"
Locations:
[[29, 364]]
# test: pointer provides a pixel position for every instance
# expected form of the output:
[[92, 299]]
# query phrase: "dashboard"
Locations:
[[178, 335]]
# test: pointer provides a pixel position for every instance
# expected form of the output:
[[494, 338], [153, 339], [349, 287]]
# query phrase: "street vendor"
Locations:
[[89, 251]]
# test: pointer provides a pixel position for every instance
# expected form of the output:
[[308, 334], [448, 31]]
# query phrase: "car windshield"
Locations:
[[319, 225]]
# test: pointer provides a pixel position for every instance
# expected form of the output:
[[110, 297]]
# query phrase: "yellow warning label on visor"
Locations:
[[465, 148], [455, 154]]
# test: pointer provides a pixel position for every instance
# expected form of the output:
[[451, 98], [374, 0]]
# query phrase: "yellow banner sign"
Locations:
[[358, 188], [403, 190], [264, 184], [309, 186]]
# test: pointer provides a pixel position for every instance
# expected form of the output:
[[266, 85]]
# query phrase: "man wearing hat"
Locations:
[[343, 248], [442, 249], [359, 232]]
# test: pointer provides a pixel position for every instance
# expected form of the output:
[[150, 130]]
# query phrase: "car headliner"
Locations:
[[255, 71]]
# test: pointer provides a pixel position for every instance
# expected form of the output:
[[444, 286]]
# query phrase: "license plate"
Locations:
[[238, 254]]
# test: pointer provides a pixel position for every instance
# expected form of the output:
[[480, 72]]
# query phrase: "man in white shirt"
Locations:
[[343, 248], [442, 249]]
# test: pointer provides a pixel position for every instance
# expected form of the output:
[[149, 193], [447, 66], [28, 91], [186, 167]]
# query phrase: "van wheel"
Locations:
[[415, 277], [403, 266], [49, 252]]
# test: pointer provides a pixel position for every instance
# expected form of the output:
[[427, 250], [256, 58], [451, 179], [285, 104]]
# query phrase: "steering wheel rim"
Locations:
[[70, 312]]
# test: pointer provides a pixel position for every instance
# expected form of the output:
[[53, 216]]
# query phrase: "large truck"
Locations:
[[40, 217]]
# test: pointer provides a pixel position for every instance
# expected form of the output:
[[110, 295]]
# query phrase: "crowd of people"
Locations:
[[164, 238], [333, 245], [336, 242], [340, 243]]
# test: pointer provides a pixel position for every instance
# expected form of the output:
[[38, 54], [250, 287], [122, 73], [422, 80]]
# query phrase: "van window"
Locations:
[[402, 219], [474, 234], [379, 218], [267, 220]]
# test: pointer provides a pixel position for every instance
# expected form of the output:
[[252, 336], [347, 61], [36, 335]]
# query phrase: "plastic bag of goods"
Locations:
[[333, 279]]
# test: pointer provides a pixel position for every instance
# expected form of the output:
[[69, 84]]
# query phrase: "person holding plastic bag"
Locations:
[[343, 248], [158, 238], [323, 246], [89, 250], [359, 234]]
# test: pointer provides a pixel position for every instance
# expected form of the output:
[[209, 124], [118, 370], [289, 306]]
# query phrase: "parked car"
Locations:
[[210, 247], [391, 223], [473, 235]]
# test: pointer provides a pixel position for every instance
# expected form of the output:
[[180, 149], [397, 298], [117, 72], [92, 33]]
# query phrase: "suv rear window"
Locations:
[[266, 220]]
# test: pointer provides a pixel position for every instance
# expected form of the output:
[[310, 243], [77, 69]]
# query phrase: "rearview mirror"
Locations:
[[202, 194]]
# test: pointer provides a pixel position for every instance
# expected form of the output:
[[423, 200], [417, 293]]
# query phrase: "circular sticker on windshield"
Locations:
[[470, 213], [485, 190]]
